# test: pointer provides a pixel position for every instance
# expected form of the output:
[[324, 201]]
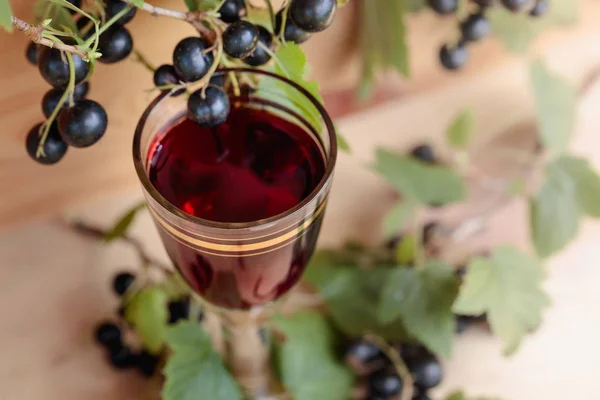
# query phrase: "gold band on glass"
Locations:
[[234, 250]]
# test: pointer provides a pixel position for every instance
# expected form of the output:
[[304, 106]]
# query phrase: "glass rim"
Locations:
[[172, 209]]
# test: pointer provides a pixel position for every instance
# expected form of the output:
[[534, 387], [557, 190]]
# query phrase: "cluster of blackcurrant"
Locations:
[[243, 43], [380, 380], [79, 122], [476, 26], [111, 334]]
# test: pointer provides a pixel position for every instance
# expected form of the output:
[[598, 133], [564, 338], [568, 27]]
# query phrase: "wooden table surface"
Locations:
[[54, 285]]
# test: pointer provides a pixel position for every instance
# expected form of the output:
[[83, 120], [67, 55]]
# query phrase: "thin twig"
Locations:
[[99, 233], [34, 32], [401, 369]]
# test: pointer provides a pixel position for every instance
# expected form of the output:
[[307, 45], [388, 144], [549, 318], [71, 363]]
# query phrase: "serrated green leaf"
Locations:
[[352, 296], [5, 15], [517, 30], [423, 300], [120, 227], [201, 5], [556, 102], [425, 183], [307, 361], [397, 218], [508, 288], [461, 130], [406, 250], [147, 311], [194, 370], [586, 180], [554, 212]]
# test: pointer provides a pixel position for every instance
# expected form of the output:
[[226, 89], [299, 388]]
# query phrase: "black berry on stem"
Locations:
[[233, 10], [108, 335], [291, 33], [540, 8], [121, 357], [113, 7], [443, 6], [32, 53], [122, 282], [81, 90], [454, 57], [54, 147], [211, 110], [259, 56], [425, 153], [115, 44], [312, 15], [147, 363], [514, 5], [56, 71], [178, 310], [363, 352], [53, 96], [189, 59], [83, 124], [384, 384], [485, 3], [240, 39], [427, 372], [475, 27], [421, 395], [166, 75]]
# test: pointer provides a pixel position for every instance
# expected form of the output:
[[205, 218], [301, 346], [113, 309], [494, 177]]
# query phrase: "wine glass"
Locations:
[[240, 269]]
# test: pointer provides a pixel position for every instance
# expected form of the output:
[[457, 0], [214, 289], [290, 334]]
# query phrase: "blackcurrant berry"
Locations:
[[52, 97], [453, 57], [115, 44], [514, 5], [540, 8], [475, 27], [113, 7], [32, 53], [56, 71], [108, 335], [410, 353], [384, 384], [363, 351], [443, 6], [312, 15], [166, 75], [54, 147], [233, 10], [463, 322], [421, 395], [424, 152], [83, 124], [146, 363], [240, 39], [122, 282], [189, 60], [218, 79], [393, 242], [211, 110], [259, 56], [292, 33], [179, 310], [427, 372], [121, 357]]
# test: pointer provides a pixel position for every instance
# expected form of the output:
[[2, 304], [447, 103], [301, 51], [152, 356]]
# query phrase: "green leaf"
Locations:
[[517, 30], [397, 218], [508, 288], [60, 16], [120, 228], [406, 250], [586, 180], [200, 5], [5, 15], [147, 311], [307, 359], [352, 296], [422, 299], [194, 370], [343, 145], [554, 212], [460, 132], [555, 107], [461, 396], [140, 3], [428, 184]]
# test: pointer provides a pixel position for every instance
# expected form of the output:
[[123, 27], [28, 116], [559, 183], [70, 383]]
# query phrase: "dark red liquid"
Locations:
[[254, 166]]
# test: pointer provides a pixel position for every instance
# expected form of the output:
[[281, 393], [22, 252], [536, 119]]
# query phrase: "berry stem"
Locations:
[[271, 13], [141, 58], [418, 235], [401, 369], [284, 15], [234, 83], [105, 26]]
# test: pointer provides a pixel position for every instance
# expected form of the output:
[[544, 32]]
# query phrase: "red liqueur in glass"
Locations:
[[254, 166]]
